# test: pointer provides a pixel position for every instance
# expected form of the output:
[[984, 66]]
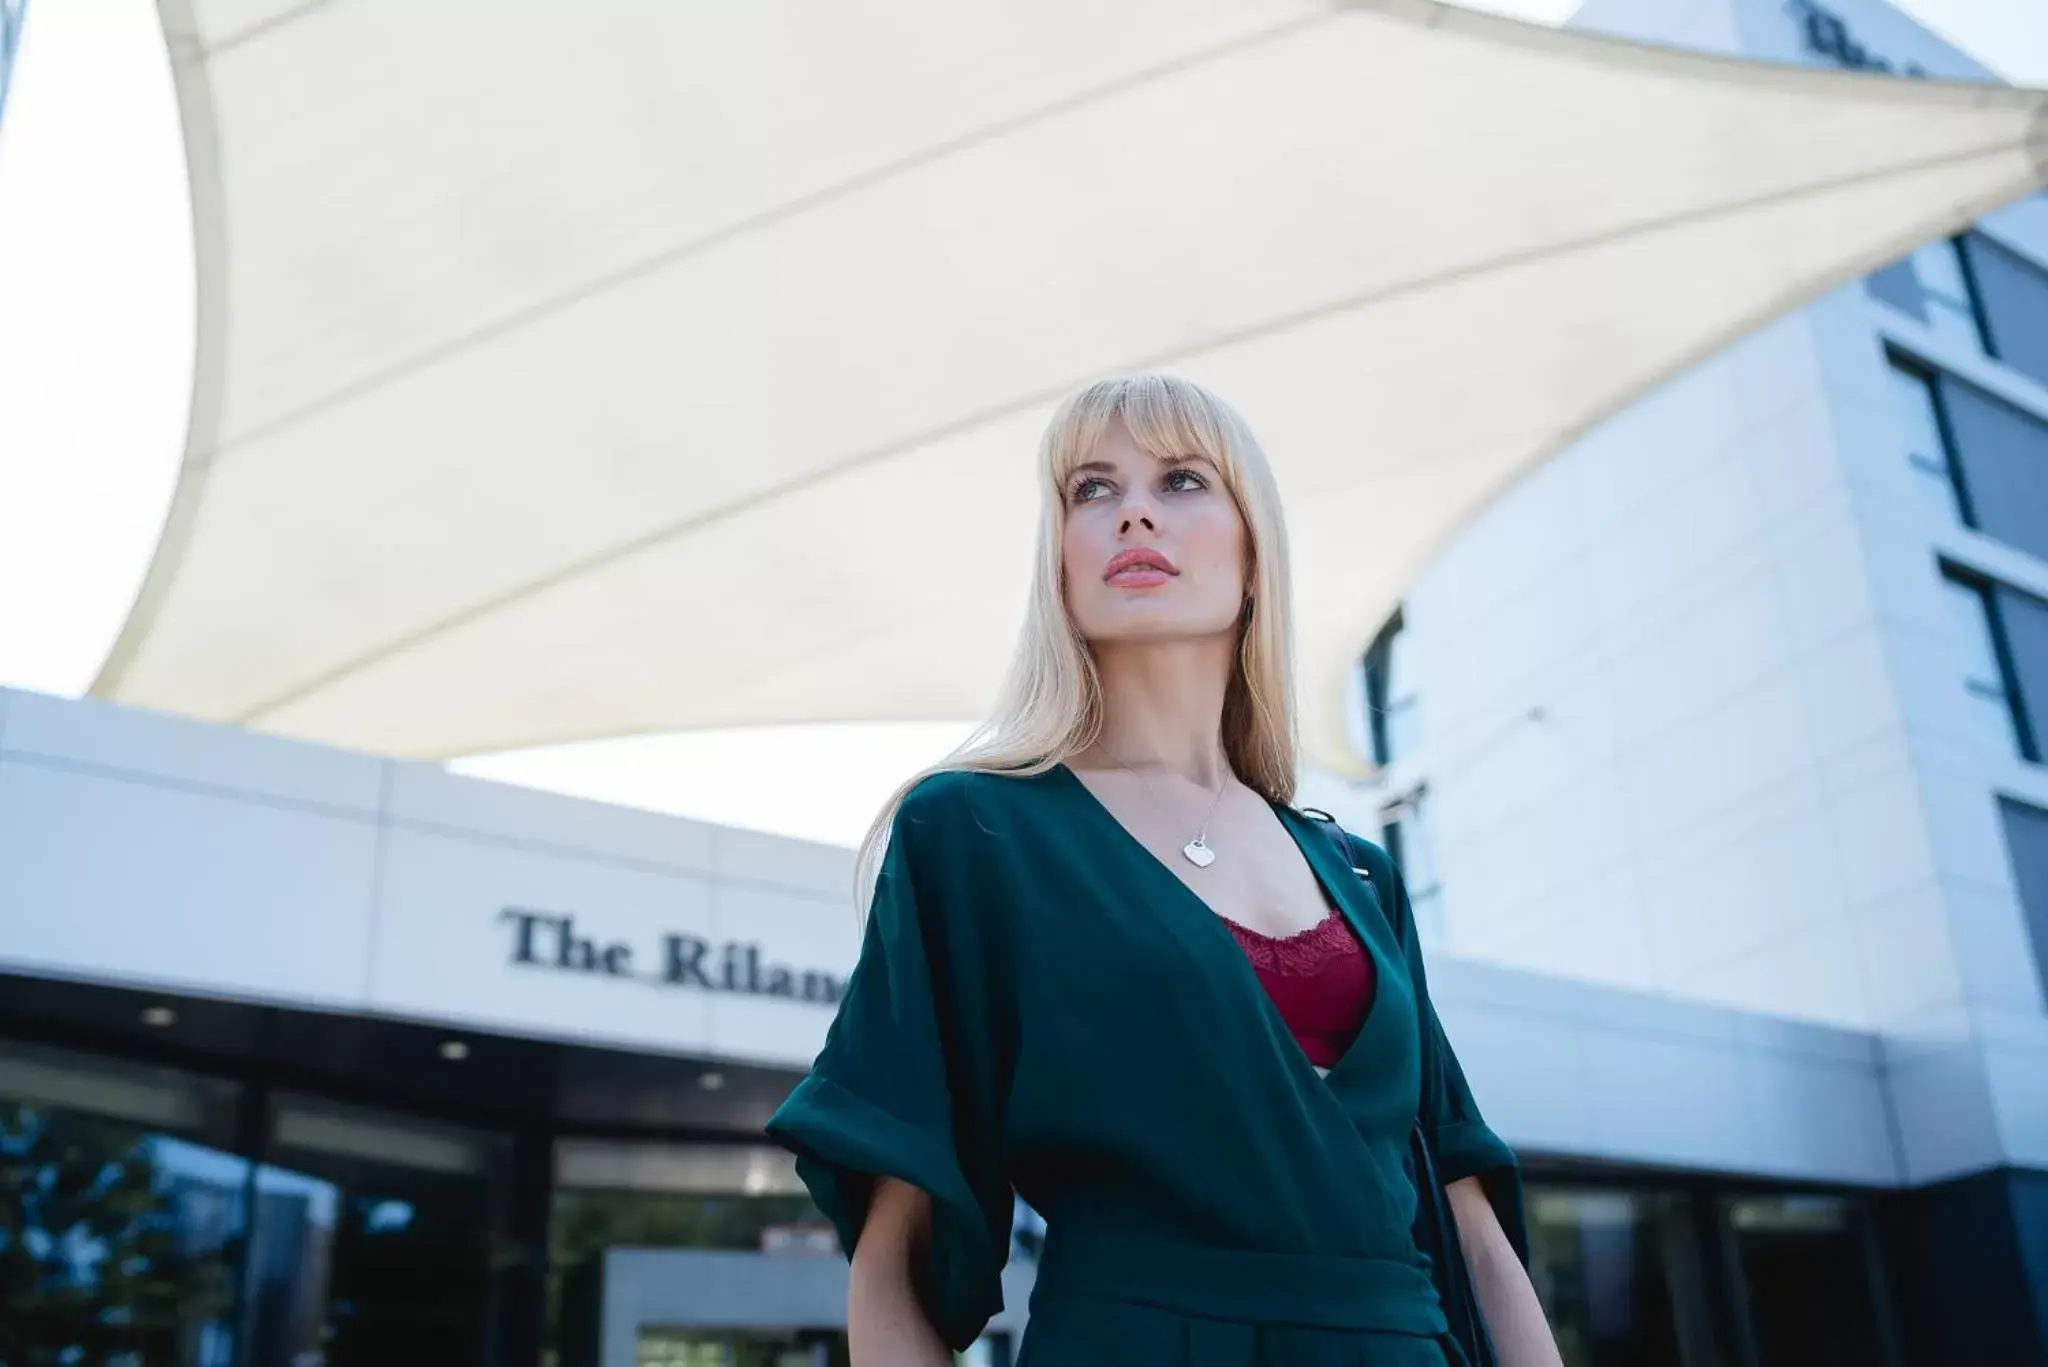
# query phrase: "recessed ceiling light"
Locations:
[[159, 1016], [454, 1050], [711, 1082]]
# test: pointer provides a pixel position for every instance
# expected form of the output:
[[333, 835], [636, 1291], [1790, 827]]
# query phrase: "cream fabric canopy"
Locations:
[[577, 370]]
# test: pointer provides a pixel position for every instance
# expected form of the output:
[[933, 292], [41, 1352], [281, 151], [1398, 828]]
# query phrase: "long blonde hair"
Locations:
[[1050, 703]]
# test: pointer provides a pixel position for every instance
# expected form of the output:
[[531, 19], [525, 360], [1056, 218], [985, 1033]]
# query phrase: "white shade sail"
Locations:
[[580, 370]]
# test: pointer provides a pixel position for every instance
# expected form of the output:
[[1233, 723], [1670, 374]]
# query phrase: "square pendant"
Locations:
[[1199, 854]]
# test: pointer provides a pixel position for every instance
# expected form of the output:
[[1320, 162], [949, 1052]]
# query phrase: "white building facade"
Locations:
[[1742, 700]]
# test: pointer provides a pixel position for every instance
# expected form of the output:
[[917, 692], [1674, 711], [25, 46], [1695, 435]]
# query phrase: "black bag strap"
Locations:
[[1436, 1225]]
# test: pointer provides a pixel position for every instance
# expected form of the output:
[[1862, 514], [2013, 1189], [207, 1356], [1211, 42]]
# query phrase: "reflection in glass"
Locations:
[[1950, 310], [1807, 1277], [1926, 448], [739, 1197], [1412, 842], [1390, 695], [117, 1235], [2012, 291], [373, 1243], [742, 1198], [1983, 679], [1615, 1272], [2001, 456], [720, 1348]]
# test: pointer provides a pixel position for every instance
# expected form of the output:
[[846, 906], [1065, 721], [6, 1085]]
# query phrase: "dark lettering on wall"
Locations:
[[1827, 34], [522, 947], [685, 957], [552, 941]]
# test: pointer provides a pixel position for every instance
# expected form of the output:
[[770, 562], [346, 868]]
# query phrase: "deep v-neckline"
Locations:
[[1219, 937]]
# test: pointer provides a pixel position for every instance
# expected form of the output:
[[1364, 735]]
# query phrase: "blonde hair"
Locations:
[[1050, 703]]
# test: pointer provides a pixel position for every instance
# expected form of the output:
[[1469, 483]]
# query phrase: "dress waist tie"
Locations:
[[1319, 1290]]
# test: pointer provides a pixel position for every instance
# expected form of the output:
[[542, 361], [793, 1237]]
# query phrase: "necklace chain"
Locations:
[[1197, 850]]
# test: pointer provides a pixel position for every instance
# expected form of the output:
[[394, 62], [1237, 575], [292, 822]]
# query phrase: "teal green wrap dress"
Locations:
[[1041, 1006]]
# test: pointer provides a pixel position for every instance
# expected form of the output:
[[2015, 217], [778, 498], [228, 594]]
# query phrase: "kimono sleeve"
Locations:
[[909, 1083], [1461, 1142]]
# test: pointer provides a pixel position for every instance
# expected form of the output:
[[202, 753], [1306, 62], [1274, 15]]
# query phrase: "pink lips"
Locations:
[[1138, 568]]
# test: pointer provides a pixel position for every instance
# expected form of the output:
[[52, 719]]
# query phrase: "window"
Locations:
[[1406, 833], [1390, 695], [1926, 442], [2000, 454], [734, 1197], [1809, 1281], [1933, 285], [1976, 293], [120, 1212], [2002, 639], [2013, 294], [2019, 623], [1980, 460], [1618, 1274], [2026, 845], [1951, 307], [376, 1239], [730, 1197], [1898, 286], [1973, 621]]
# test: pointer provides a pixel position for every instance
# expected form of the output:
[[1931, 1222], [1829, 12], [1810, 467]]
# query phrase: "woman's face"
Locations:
[[1152, 550]]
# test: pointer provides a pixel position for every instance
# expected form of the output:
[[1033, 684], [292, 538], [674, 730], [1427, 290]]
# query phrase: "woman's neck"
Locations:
[[1162, 707]]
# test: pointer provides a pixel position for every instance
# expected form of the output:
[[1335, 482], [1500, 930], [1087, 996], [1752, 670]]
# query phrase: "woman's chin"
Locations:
[[1135, 625]]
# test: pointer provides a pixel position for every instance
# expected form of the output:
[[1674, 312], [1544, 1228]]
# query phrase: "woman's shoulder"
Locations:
[[947, 789], [1367, 858], [962, 837], [1355, 846], [956, 801]]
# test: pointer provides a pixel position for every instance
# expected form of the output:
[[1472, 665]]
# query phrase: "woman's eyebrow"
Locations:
[[1103, 467]]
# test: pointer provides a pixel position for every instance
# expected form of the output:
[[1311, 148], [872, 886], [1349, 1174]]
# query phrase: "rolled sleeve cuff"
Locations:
[[1467, 1148], [843, 1142]]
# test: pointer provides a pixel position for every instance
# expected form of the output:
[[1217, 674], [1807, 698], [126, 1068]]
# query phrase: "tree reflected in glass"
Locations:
[[116, 1243]]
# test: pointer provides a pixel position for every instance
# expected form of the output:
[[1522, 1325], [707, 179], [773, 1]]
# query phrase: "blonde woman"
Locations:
[[1109, 967]]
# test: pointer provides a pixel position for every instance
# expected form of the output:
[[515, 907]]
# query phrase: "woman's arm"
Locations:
[[885, 1326], [1514, 1317]]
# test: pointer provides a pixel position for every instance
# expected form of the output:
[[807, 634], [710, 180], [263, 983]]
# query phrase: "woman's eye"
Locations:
[[1179, 480], [1084, 490]]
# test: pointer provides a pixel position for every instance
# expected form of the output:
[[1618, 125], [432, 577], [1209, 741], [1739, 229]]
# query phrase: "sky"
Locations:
[[96, 329]]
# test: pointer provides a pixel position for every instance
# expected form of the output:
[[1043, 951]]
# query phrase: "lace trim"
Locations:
[[1299, 954]]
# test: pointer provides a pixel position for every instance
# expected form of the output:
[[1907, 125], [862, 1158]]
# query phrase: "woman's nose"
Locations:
[[1137, 513]]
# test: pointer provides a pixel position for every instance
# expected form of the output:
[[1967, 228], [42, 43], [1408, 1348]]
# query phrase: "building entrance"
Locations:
[[758, 1348], [674, 1307]]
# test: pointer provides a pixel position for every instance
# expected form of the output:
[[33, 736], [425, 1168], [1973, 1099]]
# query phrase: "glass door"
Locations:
[[1809, 1284], [374, 1240], [1617, 1275]]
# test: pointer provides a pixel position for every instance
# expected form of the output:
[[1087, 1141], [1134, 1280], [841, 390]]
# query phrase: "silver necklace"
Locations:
[[1197, 850]]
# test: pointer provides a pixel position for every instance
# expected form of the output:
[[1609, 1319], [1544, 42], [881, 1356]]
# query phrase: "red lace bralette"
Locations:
[[1321, 979]]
